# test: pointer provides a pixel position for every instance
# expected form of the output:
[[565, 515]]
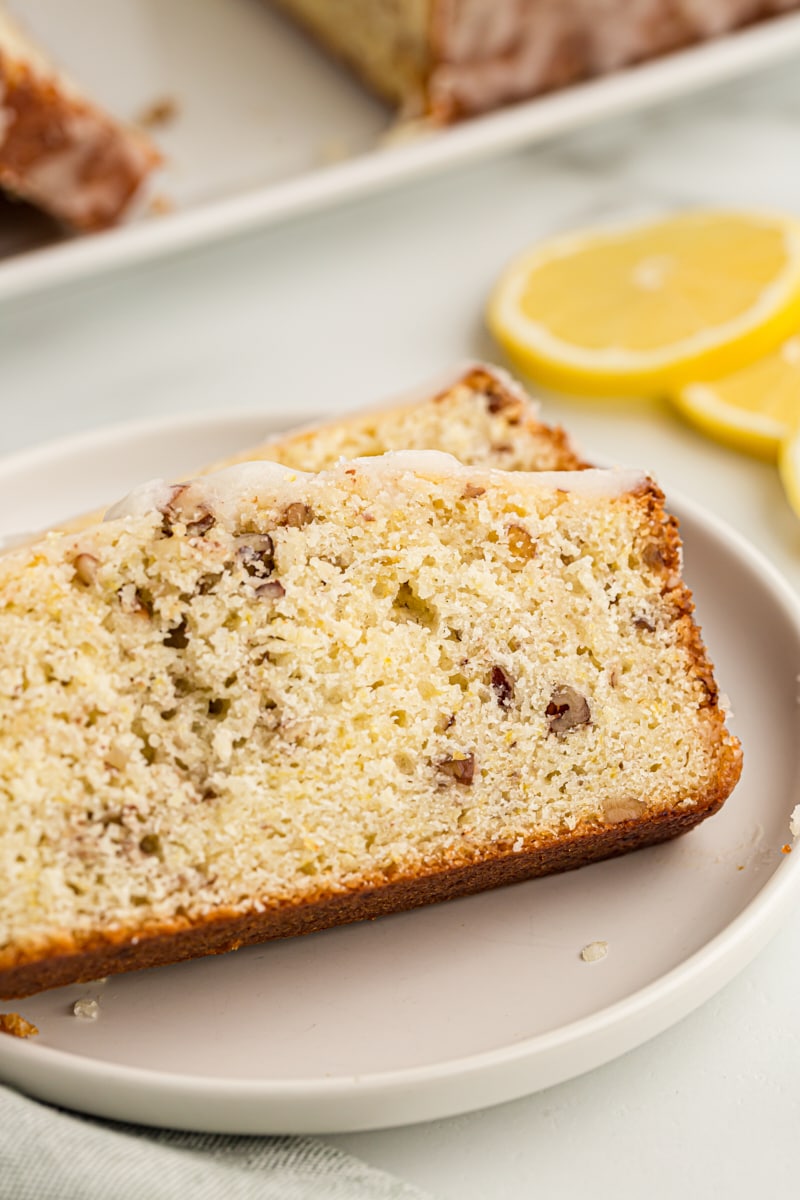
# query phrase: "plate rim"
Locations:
[[640, 86], [659, 1004]]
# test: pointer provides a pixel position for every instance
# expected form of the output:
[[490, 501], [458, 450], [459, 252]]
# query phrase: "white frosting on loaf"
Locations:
[[224, 491], [146, 498]]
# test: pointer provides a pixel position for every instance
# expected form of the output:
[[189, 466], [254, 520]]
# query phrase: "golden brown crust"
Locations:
[[56, 965], [64, 154], [664, 554]]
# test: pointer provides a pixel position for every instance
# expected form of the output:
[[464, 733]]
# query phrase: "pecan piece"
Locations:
[[567, 710], [256, 554], [503, 687], [176, 638], [653, 556], [460, 770], [520, 543], [472, 491], [180, 509], [133, 602], [273, 590], [297, 515], [85, 566], [623, 809]]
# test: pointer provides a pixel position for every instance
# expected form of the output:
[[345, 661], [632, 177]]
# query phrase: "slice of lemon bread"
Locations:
[[60, 150], [480, 415], [268, 702]]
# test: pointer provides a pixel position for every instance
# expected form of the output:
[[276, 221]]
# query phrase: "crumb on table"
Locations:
[[160, 205], [16, 1025]]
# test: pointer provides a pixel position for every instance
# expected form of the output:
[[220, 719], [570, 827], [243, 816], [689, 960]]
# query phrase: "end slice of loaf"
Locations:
[[58, 149], [268, 702]]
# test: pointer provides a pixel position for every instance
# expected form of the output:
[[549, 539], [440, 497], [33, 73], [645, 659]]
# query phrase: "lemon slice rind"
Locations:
[[755, 433], [789, 469]]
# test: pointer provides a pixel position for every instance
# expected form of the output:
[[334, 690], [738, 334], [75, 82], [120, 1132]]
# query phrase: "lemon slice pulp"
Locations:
[[647, 308], [754, 409]]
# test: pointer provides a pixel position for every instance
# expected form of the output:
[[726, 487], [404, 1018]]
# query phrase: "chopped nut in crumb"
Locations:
[[272, 590], [17, 1026], [460, 770], [503, 687], [472, 491], [297, 515], [521, 544], [85, 568], [626, 808], [567, 710], [181, 509], [594, 951], [256, 554]]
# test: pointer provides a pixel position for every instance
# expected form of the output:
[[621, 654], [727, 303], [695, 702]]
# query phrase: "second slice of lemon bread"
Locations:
[[480, 415]]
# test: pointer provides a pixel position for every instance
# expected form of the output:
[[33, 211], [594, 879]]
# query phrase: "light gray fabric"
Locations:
[[47, 1154]]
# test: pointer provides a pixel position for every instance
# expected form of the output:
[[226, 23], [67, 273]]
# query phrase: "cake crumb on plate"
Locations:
[[86, 1009], [594, 951], [17, 1026]]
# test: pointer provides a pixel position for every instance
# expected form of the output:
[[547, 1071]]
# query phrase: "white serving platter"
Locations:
[[268, 129], [461, 1005]]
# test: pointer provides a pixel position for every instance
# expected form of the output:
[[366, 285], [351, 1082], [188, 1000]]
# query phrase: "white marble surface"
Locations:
[[335, 310]]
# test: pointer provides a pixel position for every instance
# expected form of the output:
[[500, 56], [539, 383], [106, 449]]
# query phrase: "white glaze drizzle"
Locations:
[[226, 491]]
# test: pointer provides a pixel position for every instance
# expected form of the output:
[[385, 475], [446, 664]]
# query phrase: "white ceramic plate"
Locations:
[[461, 1005], [267, 128]]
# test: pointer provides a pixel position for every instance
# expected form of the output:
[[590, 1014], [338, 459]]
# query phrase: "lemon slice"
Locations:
[[649, 307], [754, 409], [789, 467]]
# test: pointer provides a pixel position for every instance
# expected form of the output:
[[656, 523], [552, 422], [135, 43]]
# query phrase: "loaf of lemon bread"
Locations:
[[452, 58], [267, 702]]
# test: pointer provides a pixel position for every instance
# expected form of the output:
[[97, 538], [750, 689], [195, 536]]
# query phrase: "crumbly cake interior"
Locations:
[[267, 686]]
